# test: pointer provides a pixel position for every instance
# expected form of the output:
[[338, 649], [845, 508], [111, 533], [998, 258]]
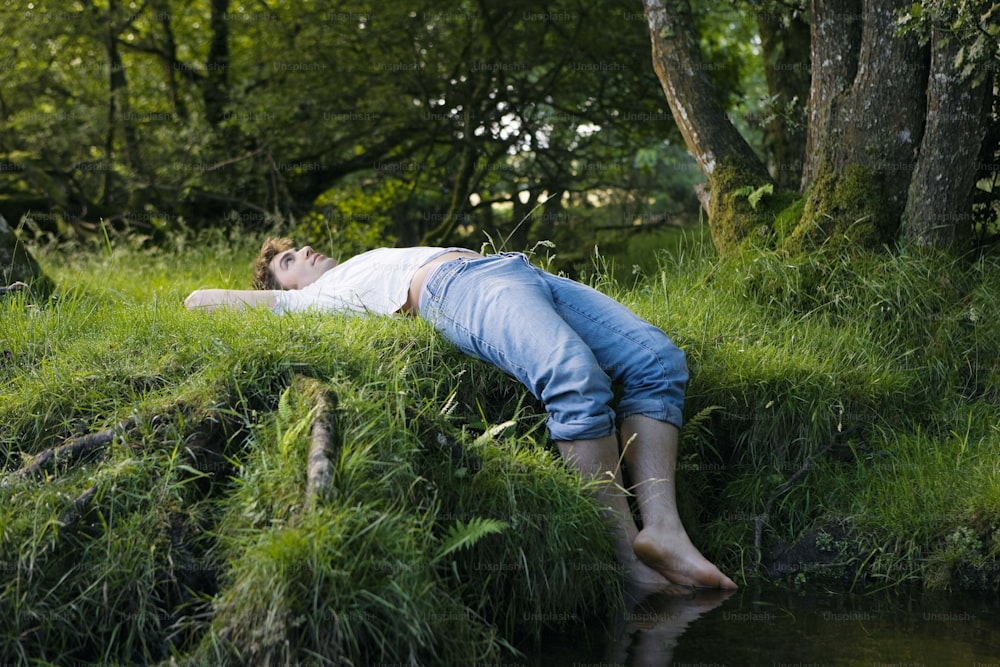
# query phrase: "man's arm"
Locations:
[[213, 299]]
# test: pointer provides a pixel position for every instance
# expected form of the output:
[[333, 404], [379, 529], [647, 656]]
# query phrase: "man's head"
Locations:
[[279, 265]]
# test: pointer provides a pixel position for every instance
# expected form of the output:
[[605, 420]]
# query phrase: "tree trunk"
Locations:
[[17, 264], [784, 43], [707, 131], [177, 102], [866, 146], [461, 186], [459, 198], [891, 145], [939, 204], [119, 107], [834, 58], [723, 155], [216, 85]]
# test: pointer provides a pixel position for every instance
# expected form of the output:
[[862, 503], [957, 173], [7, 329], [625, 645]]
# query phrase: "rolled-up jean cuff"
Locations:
[[591, 429], [672, 417]]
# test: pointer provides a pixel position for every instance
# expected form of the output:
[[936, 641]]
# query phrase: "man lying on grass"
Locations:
[[565, 341]]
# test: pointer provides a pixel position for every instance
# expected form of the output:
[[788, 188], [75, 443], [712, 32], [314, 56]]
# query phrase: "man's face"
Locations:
[[296, 268]]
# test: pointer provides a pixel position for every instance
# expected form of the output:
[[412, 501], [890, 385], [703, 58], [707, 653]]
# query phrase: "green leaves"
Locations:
[[754, 195], [973, 24], [397, 98], [463, 535]]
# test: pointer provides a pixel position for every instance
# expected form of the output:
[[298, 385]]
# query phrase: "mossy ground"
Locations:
[[453, 530]]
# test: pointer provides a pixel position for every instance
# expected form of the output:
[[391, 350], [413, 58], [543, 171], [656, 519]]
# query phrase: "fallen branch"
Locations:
[[85, 447], [13, 287], [322, 447]]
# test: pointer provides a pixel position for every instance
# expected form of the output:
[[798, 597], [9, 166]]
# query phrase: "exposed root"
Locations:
[[80, 449], [322, 446]]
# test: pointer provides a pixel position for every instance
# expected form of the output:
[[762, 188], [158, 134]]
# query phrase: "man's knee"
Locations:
[[661, 361], [656, 383]]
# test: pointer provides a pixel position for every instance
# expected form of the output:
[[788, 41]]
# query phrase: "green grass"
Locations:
[[199, 543], [454, 533], [891, 360]]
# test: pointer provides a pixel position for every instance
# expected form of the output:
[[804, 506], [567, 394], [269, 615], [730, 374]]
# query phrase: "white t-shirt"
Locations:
[[376, 281]]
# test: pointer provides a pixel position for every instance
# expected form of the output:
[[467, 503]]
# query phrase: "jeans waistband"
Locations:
[[441, 273]]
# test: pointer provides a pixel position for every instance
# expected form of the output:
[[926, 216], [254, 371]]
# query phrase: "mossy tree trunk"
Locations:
[[891, 141], [835, 42], [938, 207], [862, 153], [723, 155]]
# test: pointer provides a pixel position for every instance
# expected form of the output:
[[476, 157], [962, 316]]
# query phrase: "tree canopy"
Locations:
[[518, 122], [414, 122]]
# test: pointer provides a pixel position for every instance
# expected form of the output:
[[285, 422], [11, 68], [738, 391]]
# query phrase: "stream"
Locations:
[[785, 626]]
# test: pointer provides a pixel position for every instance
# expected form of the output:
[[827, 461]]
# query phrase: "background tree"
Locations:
[[895, 125], [419, 123]]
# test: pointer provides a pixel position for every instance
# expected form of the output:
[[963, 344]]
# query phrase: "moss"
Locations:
[[732, 218], [788, 218], [844, 210], [746, 213]]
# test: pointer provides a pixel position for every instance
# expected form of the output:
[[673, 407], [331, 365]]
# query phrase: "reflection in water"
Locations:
[[646, 634], [769, 624]]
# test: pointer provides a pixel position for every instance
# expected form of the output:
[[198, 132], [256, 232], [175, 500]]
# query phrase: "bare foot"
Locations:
[[634, 570], [640, 575], [641, 581], [671, 554]]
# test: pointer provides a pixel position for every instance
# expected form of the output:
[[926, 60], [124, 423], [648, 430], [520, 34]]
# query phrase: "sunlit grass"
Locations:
[[191, 537], [891, 360]]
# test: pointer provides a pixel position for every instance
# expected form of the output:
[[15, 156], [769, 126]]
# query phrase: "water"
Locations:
[[772, 625]]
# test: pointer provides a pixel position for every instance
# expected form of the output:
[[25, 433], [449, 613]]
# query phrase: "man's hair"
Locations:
[[263, 276]]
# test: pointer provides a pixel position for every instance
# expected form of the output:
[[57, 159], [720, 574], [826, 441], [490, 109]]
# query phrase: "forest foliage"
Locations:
[[435, 122], [379, 123]]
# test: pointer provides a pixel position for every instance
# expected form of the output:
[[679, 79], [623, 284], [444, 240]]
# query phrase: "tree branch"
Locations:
[[82, 448], [322, 446]]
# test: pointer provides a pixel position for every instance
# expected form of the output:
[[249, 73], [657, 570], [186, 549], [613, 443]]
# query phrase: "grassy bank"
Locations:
[[842, 425]]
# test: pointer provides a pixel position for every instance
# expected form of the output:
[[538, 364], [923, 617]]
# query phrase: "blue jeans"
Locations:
[[566, 342]]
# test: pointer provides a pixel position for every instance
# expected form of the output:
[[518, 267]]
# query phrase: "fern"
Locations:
[[698, 429], [754, 195], [285, 405], [462, 535]]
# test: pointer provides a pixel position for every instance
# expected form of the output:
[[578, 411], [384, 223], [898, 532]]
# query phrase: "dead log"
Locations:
[[84, 448], [322, 446], [13, 287]]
